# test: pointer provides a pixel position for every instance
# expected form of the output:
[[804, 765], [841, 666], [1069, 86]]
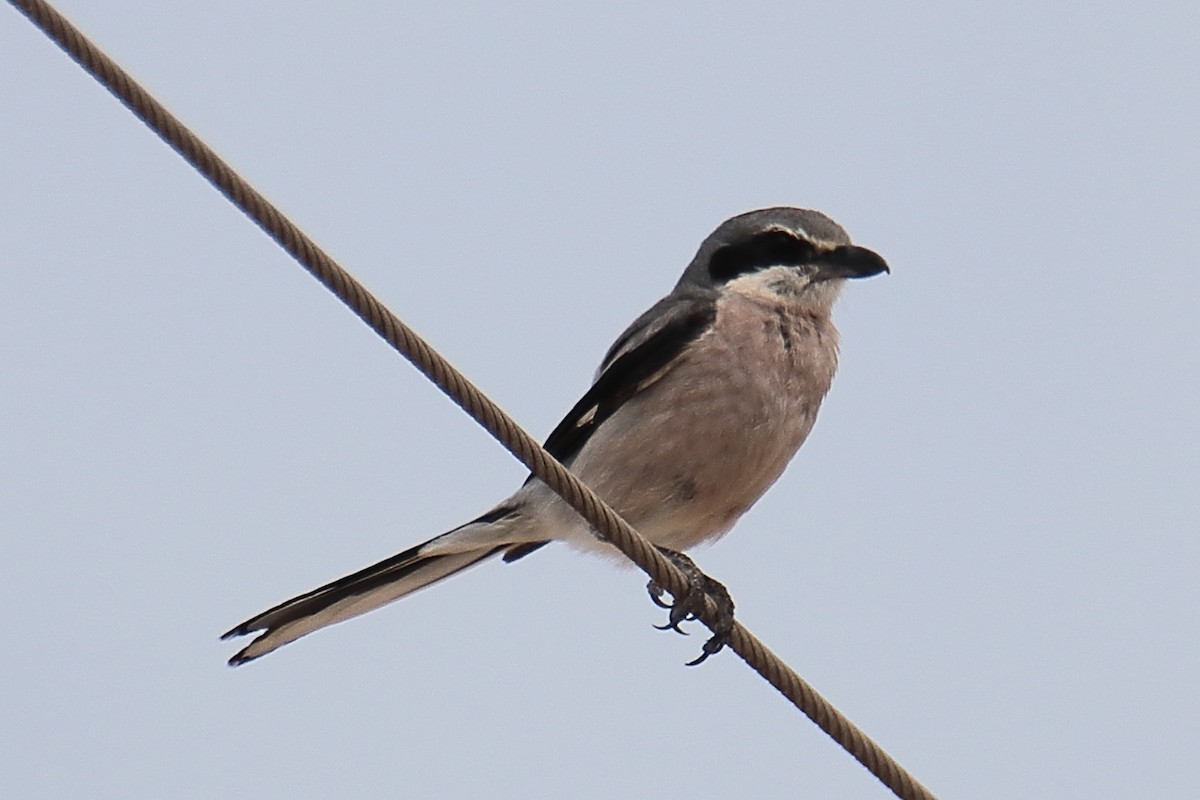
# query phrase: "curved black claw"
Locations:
[[671, 626], [680, 612], [656, 592], [685, 608], [712, 646]]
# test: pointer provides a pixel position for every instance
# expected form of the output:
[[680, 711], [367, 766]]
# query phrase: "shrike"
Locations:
[[695, 411]]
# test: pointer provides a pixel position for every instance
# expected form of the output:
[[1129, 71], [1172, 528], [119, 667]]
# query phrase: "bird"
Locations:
[[695, 411]]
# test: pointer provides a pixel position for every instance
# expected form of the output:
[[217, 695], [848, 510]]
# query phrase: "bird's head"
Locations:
[[792, 252]]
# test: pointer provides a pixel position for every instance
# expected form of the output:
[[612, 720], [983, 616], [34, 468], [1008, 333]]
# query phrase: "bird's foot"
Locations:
[[685, 608]]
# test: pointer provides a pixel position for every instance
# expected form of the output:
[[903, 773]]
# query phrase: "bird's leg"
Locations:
[[685, 608]]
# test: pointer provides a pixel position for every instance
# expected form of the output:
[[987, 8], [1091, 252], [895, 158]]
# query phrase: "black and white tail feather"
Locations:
[[372, 587]]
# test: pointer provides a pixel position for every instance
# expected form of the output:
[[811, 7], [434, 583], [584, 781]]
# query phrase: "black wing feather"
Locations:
[[627, 366], [645, 348]]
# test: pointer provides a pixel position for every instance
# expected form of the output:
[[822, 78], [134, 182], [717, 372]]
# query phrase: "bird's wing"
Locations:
[[639, 357]]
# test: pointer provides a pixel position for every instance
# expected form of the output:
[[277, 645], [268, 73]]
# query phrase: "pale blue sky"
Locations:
[[986, 554]]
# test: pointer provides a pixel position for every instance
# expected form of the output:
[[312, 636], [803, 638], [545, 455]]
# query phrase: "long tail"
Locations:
[[375, 586]]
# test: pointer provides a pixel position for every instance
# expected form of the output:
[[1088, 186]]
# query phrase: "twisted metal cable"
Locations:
[[515, 439]]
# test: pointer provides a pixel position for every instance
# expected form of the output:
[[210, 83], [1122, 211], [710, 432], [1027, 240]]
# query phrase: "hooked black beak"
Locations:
[[850, 261]]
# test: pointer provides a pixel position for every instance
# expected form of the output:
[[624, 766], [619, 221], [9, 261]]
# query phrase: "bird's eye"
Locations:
[[769, 249]]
